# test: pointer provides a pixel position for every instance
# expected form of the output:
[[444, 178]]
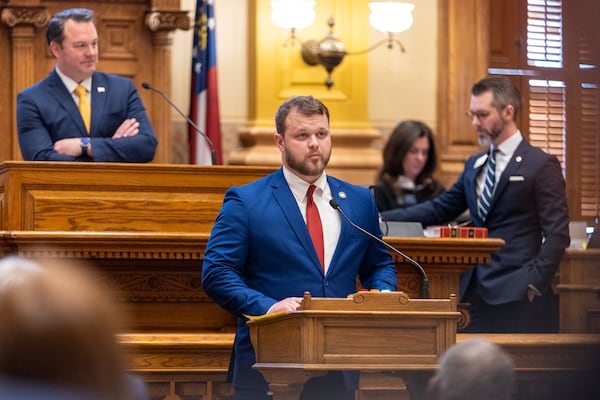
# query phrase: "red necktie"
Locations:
[[313, 222]]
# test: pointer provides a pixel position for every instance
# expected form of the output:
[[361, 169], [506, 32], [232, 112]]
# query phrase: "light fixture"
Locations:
[[388, 17]]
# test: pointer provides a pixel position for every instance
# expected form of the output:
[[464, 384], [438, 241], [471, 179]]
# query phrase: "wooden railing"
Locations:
[[548, 366]]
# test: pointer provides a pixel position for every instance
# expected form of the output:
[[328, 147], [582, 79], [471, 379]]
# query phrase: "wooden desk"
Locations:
[[145, 226], [157, 275], [444, 259], [579, 290], [54, 196], [143, 229]]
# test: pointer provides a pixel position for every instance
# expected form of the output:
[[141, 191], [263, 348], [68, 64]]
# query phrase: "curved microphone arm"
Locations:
[[425, 280], [213, 153]]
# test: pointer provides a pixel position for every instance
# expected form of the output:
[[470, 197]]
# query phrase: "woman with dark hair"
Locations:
[[409, 163]]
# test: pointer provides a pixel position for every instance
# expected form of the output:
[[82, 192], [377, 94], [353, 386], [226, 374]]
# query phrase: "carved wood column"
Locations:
[[463, 45], [21, 21], [162, 22]]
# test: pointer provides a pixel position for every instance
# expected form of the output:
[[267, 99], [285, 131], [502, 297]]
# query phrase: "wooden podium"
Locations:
[[368, 332]]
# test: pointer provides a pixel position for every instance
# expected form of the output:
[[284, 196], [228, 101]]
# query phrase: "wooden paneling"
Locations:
[[156, 275], [177, 338], [505, 36], [548, 367], [463, 43], [579, 290], [115, 197]]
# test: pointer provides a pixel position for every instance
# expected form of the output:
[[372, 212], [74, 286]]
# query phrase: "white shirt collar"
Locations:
[[299, 187], [508, 147], [71, 84]]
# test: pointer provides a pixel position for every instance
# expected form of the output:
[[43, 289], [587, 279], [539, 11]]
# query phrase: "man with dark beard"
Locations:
[[517, 192], [266, 248]]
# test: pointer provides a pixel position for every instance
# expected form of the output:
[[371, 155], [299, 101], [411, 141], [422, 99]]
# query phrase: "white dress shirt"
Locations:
[[330, 219], [505, 152]]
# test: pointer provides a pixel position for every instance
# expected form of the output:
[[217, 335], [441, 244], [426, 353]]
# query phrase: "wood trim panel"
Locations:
[[463, 47], [54, 196]]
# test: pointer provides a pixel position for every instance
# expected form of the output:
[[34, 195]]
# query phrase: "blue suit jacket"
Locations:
[[260, 252], [529, 211], [46, 113]]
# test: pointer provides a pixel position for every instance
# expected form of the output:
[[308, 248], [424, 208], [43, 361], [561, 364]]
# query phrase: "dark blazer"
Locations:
[[387, 199], [46, 113], [260, 252], [529, 211]]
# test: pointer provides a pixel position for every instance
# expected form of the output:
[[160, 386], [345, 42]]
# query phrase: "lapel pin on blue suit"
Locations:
[[480, 161], [342, 195], [519, 159], [100, 89]]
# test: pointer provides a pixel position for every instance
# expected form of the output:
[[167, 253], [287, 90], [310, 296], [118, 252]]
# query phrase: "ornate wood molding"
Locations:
[[36, 16], [167, 20]]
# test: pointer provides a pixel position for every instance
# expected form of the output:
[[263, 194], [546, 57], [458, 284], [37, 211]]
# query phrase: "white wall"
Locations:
[[404, 85], [401, 85]]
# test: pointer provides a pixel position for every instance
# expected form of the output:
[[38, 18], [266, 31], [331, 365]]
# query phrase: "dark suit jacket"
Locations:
[[529, 211], [387, 199], [260, 252], [46, 113]]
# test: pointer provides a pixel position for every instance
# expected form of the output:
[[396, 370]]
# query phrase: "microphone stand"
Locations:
[[213, 153]]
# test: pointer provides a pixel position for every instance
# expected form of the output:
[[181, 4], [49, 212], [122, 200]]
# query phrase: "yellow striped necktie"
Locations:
[[84, 106]]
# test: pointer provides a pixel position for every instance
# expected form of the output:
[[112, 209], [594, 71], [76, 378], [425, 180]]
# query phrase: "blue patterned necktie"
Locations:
[[488, 186]]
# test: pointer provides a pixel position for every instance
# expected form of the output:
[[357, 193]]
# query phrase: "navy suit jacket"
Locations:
[[529, 211], [47, 113], [260, 252]]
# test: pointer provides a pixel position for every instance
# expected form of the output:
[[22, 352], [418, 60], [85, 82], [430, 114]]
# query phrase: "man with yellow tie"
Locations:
[[78, 113]]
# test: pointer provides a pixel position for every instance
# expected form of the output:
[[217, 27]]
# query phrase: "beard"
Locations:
[[486, 138], [305, 166]]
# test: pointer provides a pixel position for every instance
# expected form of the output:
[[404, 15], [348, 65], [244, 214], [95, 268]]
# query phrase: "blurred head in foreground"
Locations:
[[473, 369], [57, 327]]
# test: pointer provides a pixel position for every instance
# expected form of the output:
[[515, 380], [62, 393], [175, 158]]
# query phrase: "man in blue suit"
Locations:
[[50, 125], [260, 258], [526, 206]]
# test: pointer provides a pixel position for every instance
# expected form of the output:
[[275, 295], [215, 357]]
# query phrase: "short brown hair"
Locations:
[[503, 90], [306, 105], [55, 32]]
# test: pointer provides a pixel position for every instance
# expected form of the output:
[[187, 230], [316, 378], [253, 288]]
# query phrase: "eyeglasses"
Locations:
[[480, 115]]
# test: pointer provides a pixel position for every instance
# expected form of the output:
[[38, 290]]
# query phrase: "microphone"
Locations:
[[213, 153], [425, 280]]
